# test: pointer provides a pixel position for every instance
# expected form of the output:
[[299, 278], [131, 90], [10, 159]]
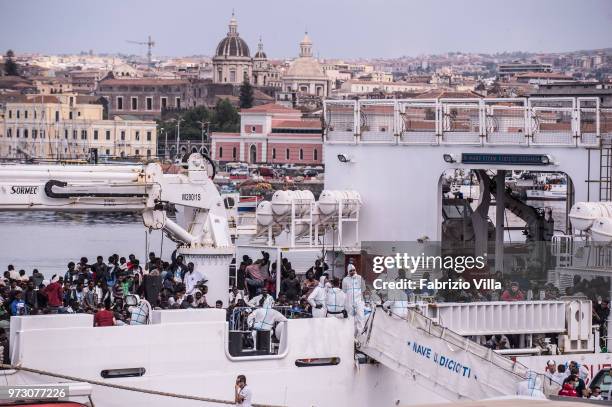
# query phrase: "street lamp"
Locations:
[[162, 130], [178, 133], [202, 123]]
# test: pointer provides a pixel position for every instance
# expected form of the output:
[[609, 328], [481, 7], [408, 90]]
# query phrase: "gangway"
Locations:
[[441, 359]]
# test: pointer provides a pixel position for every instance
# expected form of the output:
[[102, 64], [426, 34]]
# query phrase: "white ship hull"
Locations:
[[189, 356]]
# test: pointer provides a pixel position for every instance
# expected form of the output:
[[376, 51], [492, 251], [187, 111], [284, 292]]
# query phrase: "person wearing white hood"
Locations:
[[263, 319], [354, 286], [397, 303], [316, 299]]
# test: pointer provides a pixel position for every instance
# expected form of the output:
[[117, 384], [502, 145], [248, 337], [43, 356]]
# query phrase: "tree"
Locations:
[[226, 117], [10, 66], [246, 95]]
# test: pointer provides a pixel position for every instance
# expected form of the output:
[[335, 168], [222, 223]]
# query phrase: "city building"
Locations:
[[60, 127], [144, 98], [86, 81], [517, 68], [232, 62], [356, 87], [271, 134], [305, 75], [592, 89], [261, 67]]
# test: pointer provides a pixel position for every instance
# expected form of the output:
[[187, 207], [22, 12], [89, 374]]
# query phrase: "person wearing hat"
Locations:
[[513, 294]]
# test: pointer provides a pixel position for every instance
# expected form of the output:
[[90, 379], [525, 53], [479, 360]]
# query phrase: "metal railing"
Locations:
[[239, 315], [562, 121]]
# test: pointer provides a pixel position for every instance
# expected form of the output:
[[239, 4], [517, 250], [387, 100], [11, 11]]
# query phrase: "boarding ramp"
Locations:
[[441, 359]]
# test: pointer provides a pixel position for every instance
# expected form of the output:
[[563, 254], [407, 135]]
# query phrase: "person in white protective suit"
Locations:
[[263, 319], [397, 303], [316, 299], [335, 300], [354, 286]]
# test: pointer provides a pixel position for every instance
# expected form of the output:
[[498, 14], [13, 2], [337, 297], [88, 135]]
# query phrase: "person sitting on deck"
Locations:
[[104, 317]]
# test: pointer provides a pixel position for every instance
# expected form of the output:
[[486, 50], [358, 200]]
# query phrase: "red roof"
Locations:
[[270, 108], [143, 81], [441, 93], [296, 124], [43, 99]]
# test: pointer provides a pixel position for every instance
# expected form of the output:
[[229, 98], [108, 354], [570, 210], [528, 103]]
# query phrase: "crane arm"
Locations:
[[135, 188]]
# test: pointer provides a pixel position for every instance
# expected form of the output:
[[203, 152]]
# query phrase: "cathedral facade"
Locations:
[[233, 64]]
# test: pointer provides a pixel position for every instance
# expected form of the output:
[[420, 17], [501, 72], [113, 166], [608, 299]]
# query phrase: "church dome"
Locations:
[[305, 66], [260, 54], [232, 45]]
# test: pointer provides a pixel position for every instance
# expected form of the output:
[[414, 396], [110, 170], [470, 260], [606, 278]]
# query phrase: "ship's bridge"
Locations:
[[395, 151]]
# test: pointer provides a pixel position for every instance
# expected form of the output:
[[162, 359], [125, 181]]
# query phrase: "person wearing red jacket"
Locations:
[[54, 294], [569, 387], [514, 294]]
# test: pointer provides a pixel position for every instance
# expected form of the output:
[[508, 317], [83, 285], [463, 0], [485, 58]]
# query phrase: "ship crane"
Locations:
[[201, 230], [150, 44]]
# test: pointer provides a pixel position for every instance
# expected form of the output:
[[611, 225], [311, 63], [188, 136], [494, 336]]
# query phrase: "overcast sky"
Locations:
[[338, 28]]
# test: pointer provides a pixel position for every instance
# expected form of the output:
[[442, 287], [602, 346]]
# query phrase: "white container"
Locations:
[[601, 230], [265, 217], [282, 200], [329, 202], [583, 214]]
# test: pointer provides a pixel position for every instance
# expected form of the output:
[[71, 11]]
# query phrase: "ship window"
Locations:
[[117, 373], [317, 362]]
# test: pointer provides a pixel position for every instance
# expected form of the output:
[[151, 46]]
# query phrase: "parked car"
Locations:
[[266, 172], [603, 380], [310, 173]]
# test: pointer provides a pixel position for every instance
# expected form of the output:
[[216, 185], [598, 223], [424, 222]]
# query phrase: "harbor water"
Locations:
[[48, 241]]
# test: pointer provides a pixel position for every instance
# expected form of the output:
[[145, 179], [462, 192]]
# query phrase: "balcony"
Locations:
[[567, 121]]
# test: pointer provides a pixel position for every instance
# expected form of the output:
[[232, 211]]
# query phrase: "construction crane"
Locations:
[[150, 44]]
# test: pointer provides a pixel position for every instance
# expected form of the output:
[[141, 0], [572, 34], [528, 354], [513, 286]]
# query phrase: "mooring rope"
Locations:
[[129, 388]]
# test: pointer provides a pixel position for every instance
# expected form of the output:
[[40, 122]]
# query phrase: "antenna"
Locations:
[[150, 44]]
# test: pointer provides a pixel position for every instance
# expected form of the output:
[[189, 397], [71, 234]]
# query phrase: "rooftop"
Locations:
[[297, 124], [143, 81], [270, 108]]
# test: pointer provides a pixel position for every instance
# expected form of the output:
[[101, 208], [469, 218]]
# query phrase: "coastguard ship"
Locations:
[[384, 164]]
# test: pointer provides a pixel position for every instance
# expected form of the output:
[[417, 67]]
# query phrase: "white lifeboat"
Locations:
[[265, 217], [601, 230], [583, 214], [282, 201], [329, 202]]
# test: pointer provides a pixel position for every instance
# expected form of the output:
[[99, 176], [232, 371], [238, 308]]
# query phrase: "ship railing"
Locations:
[[426, 324], [418, 121], [538, 121], [573, 254], [505, 122], [340, 121], [457, 342], [239, 315]]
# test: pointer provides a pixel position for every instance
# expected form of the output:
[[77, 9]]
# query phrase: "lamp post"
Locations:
[[178, 135], [202, 123], [161, 130]]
